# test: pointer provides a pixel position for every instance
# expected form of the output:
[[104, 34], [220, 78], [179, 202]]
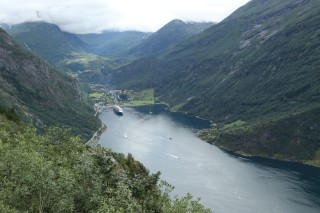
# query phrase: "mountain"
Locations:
[[263, 55], [257, 68], [39, 94], [128, 43], [168, 36], [112, 43], [86, 56], [54, 45], [66, 51], [260, 60], [47, 40]]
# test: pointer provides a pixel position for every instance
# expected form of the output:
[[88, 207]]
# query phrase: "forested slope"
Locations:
[[56, 172]]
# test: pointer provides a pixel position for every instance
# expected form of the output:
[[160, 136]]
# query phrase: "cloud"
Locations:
[[83, 16]]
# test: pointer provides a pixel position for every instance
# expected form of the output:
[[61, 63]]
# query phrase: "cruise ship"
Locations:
[[117, 109]]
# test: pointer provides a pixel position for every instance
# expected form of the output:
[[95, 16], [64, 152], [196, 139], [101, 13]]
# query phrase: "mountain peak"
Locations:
[[171, 34], [176, 21], [47, 40]]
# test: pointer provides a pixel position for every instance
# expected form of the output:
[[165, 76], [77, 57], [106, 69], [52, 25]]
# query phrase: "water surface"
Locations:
[[166, 142]]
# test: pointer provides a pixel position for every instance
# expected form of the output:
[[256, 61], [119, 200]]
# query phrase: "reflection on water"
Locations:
[[165, 141]]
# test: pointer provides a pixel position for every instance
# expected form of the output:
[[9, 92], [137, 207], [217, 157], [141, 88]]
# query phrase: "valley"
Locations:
[[244, 68], [251, 81], [46, 117]]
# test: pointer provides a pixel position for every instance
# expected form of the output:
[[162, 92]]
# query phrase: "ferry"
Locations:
[[118, 110]]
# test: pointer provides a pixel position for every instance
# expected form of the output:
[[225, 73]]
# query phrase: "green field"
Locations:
[[234, 124], [96, 95], [130, 97], [145, 97]]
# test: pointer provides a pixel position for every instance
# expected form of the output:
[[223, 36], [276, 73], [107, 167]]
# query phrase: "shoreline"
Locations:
[[97, 134], [252, 156], [103, 128]]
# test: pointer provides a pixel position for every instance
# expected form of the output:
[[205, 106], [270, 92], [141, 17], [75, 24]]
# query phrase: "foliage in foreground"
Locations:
[[56, 172]]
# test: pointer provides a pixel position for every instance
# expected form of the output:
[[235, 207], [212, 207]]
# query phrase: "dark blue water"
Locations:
[[165, 141]]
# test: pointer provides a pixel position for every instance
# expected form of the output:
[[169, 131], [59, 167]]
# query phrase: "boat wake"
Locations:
[[173, 156]]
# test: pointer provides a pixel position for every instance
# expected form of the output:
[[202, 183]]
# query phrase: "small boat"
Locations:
[[117, 109]]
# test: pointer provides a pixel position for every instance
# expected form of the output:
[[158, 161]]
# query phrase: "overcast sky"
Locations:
[[84, 16]]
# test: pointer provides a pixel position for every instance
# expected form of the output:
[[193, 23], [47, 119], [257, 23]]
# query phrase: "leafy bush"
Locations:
[[56, 172]]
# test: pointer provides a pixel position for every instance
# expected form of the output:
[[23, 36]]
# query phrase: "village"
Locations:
[[104, 97]]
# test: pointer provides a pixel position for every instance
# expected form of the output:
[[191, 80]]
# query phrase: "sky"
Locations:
[[94, 16]]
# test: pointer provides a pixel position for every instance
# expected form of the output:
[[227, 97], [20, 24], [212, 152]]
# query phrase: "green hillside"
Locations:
[[266, 62], [88, 57], [260, 63], [39, 94], [88, 67], [293, 137], [56, 172], [47, 40], [167, 37], [256, 67]]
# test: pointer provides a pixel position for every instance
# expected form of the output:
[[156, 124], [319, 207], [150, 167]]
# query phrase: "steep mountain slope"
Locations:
[[168, 36], [258, 65], [263, 56], [47, 40], [113, 43], [261, 60], [40, 94]]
